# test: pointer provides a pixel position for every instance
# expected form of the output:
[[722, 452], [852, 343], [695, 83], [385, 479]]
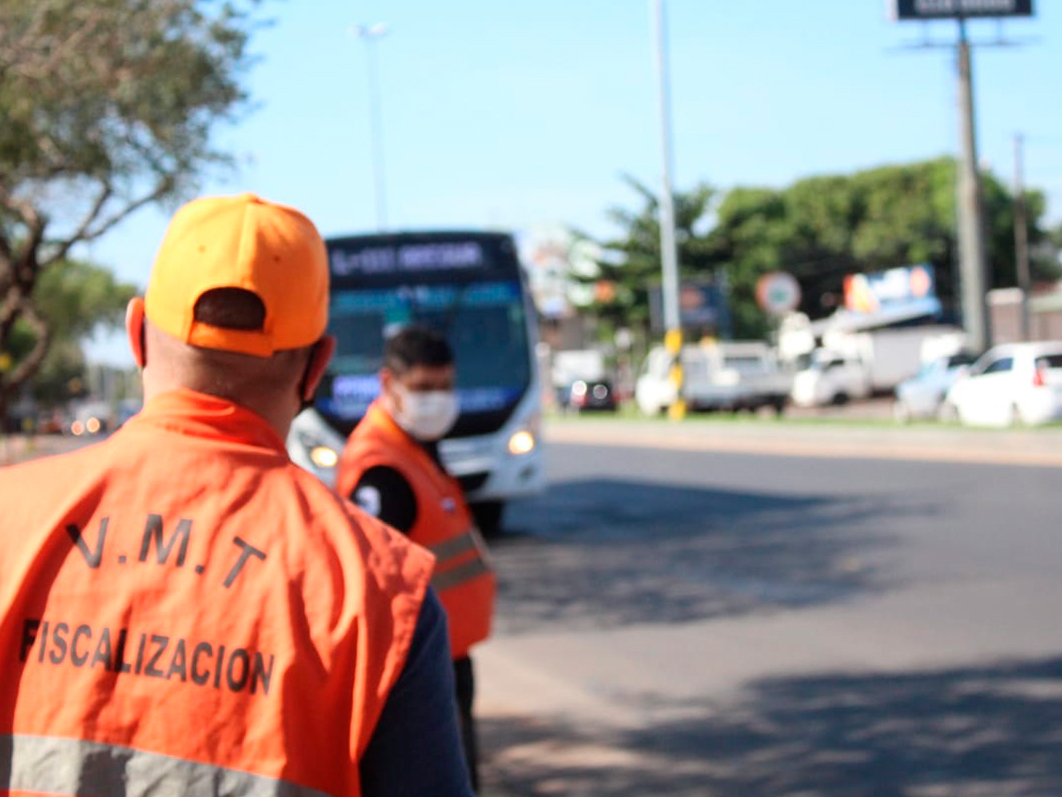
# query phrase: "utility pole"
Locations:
[[371, 35], [1021, 237], [973, 264], [668, 254]]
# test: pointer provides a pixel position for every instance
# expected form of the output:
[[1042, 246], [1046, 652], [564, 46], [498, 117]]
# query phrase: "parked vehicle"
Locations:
[[921, 396], [588, 395], [889, 355], [730, 375], [571, 365], [830, 378], [1009, 384], [127, 408], [90, 418]]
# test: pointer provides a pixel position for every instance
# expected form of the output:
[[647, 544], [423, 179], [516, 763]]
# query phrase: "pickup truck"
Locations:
[[731, 375], [830, 378]]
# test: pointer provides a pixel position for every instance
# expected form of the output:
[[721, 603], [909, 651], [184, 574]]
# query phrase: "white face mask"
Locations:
[[425, 415]]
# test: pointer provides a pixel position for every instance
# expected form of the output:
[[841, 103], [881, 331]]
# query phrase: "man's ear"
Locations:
[[134, 330], [320, 355]]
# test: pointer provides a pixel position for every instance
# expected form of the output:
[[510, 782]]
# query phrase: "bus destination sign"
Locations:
[[407, 258], [955, 9]]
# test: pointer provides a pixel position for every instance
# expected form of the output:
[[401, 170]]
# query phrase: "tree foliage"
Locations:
[[822, 228], [104, 107], [75, 299], [818, 229], [630, 263]]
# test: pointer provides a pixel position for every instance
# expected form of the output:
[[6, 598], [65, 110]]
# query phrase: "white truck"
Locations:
[[730, 375], [890, 354], [853, 364], [830, 378]]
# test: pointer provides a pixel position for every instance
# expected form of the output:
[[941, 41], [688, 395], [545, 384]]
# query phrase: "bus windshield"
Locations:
[[480, 309]]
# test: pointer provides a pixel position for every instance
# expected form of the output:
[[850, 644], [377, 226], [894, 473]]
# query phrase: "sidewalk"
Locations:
[[15, 448]]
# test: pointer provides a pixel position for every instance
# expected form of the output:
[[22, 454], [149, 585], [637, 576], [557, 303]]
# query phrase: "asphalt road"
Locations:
[[681, 618]]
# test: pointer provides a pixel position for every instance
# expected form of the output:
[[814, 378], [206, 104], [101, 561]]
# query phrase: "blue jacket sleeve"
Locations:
[[415, 750]]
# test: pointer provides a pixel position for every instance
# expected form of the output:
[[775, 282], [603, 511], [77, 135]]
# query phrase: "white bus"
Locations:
[[470, 287]]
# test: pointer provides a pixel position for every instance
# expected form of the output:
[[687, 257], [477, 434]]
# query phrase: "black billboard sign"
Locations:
[[702, 307], [952, 9]]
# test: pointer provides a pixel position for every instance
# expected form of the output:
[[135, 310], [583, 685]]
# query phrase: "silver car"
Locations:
[[922, 395]]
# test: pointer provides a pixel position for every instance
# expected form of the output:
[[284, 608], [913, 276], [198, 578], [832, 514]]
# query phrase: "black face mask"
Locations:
[[143, 343], [306, 403]]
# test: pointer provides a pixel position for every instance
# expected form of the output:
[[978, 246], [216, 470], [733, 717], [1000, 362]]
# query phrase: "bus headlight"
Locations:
[[320, 453], [324, 457], [522, 442]]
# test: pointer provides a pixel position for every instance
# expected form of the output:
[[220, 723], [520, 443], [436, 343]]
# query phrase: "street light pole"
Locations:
[[371, 35], [668, 254], [973, 263], [1021, 237]]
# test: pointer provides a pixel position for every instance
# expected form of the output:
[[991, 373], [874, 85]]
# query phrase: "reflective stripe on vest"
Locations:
[[74, 766], [456, 576], [447, 576], [453, 547]]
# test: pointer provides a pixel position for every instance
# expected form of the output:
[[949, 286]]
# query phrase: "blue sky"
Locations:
[[523, 115]]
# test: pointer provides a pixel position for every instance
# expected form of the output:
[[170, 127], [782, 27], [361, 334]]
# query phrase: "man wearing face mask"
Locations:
[[391, 469]]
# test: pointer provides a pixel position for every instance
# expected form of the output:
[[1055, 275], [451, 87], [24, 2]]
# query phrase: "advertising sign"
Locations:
[[702, 306], [905, 287], [952, 9]]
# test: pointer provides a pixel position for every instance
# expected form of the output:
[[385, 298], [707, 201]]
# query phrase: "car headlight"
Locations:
[[522, 442]]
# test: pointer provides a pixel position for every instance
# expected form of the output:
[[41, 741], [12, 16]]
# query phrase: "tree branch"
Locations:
[[25, 260], [63, 246], [86, 234], [9, 310], [29, 364]]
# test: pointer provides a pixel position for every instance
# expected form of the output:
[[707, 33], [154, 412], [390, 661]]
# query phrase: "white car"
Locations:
[[921, 395], [830, 379], [1014, 383]]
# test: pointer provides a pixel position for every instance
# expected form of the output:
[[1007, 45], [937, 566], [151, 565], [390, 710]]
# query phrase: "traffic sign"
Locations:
[[777, 292]]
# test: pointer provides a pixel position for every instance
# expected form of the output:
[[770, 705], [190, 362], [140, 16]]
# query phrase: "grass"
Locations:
[[628, 412]]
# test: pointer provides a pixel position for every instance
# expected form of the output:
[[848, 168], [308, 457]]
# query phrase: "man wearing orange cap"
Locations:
[[183, 610]]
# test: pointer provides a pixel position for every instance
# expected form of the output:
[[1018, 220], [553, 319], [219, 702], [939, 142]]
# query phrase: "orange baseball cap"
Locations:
[[246, 242]]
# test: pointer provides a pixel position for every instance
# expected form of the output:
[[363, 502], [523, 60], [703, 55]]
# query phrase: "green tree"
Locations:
[[105, 107], [822, 228], [75, 299], [630, 263]]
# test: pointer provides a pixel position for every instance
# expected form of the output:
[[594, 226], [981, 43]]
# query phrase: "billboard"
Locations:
[[908, 288], [702, 307], [951, 9]]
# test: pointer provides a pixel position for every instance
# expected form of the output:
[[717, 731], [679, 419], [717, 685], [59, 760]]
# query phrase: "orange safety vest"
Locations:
[[183, 609], [463, 576]]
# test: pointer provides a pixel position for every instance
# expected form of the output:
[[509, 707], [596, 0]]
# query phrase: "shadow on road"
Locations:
[[608, 552], [972, 732]]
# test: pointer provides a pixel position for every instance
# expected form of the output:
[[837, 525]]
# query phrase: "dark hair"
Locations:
[[413, 346], [230, 308]]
